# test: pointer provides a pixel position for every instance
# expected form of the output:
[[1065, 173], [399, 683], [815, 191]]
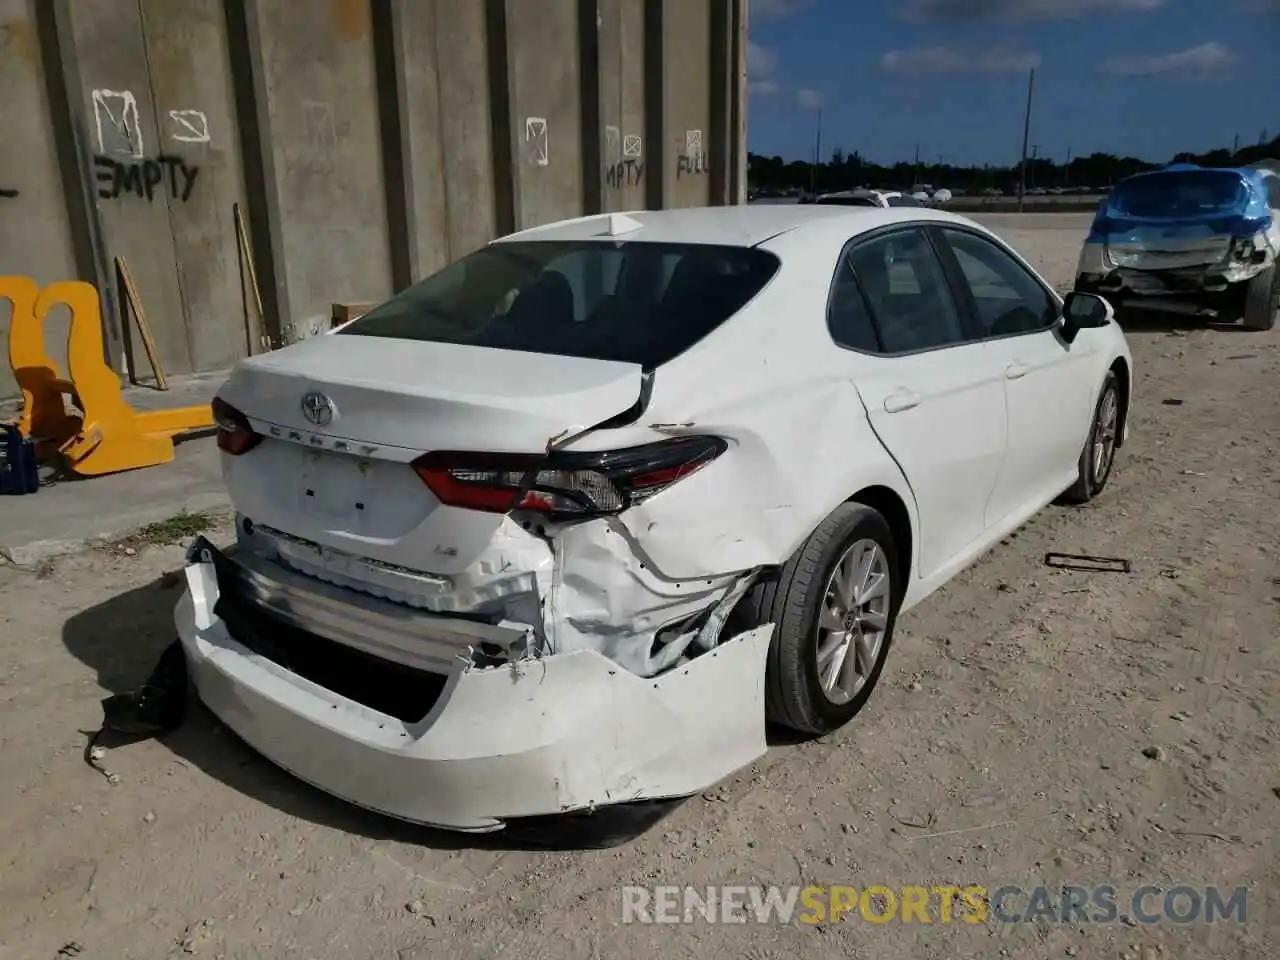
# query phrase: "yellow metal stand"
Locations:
[[109, 436]]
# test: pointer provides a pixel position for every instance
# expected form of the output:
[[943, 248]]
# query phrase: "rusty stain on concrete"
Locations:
[[350, 19], [21, 39]]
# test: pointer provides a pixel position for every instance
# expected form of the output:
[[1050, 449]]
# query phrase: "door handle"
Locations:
[[901, 400], [1015, 370]]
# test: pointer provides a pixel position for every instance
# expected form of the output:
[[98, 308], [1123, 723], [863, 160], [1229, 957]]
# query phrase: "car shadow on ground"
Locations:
[[122, 640]]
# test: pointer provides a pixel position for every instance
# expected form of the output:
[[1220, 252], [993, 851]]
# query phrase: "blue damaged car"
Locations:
[[1199, 237]]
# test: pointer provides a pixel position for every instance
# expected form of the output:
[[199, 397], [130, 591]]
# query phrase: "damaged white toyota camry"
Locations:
[[559, 527]]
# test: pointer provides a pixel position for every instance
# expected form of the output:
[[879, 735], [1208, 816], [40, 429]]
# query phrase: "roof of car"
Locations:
[[739, 226]]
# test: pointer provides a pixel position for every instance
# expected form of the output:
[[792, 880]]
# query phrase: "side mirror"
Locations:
[[1084, 311]]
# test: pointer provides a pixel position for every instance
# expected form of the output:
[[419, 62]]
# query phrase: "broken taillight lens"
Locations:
[[235, 435], [564, 484]]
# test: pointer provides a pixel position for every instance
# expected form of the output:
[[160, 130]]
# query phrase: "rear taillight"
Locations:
[[564, 484], [235, 435]]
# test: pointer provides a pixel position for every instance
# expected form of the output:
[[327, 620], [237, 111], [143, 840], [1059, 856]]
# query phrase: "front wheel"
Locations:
[[833, 607], [1099, 453], [1262, 300]]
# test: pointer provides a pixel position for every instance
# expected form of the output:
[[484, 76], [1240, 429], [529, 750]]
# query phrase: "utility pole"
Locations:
[[1026, 137], [1066, 171], [1235, 145], [817, 154], [915, 169]]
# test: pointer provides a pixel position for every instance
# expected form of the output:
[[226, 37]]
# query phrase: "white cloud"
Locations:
[[762, 64], [946, 59], [809, 99], [1206, 58], [959, 11], [765, 10]]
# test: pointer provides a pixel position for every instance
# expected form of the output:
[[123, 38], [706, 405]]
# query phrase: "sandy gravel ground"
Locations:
[[1012, 728]]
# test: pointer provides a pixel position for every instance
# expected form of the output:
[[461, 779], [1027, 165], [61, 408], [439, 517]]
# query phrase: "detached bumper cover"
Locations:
[[532, 737]]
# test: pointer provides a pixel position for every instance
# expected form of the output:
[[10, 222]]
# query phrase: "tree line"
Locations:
[[845, 171]]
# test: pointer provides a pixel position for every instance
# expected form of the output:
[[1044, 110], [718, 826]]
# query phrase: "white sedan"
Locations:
[[558, 528], [871, 198]]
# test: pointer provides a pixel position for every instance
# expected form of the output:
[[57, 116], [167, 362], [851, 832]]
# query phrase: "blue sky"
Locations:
[[1144, 78]]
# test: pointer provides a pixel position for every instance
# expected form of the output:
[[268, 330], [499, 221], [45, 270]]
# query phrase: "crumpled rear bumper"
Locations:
[[561, 733]]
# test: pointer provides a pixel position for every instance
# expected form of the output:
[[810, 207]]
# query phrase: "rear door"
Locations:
[[931, 394], [1048, 390]]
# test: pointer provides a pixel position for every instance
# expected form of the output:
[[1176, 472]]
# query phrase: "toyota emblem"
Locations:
[[317, 408]]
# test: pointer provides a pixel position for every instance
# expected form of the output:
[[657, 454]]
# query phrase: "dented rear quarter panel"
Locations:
[[773, 384]]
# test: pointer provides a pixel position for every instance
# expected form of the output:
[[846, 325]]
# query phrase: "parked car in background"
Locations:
[[868, 198], [1193, 236], [559, 526]]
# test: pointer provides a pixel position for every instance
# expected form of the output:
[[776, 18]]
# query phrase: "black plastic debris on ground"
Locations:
[[1088, 563], [157, 707]]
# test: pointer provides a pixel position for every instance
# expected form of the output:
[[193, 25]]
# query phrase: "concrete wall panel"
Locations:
[[196, 128], [136, 181], [466, 137], [687, 109], [326, 148], [546, 109], [35, 234], [449, 142], [622, 105]]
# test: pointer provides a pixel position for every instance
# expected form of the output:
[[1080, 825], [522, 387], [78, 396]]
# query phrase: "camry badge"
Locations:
[[317, 408]]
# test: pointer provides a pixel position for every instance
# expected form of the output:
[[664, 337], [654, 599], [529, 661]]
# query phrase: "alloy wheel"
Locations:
[[1104, 434], [853, 621]]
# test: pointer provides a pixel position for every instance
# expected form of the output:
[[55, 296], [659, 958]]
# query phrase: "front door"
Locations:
[[1048, 396]]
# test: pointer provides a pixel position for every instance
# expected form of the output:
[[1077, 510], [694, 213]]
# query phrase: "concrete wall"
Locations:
[[35, 230], [366, 142]]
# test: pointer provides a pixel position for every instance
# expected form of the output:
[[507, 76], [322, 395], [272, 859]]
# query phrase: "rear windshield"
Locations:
[[903, 201], [1176, 195], [848, 201], [634, 302]]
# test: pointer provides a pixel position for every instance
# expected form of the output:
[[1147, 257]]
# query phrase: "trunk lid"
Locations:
[[345, 482]]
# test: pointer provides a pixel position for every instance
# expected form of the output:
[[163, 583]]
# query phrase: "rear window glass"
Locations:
[[903, 201], [1174, 195], [633, 302]]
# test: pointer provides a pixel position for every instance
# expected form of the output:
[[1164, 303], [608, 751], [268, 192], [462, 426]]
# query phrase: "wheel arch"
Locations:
[[889, 504], [1124, 379]]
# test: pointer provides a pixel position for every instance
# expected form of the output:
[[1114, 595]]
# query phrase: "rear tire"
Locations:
[[1095, 468], [1262, 300], [854, 539]]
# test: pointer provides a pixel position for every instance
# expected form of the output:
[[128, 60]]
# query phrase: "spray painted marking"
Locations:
[[631, 146], [693, 142], [320, 128], [612, 139], [189, 126], [8, 194], [535, 138], [120, 110]]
